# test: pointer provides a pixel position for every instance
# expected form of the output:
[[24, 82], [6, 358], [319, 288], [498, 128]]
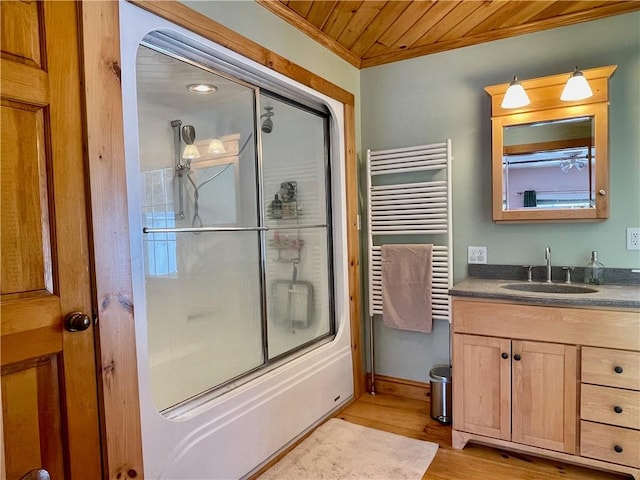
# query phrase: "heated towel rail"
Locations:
[[397, 206]]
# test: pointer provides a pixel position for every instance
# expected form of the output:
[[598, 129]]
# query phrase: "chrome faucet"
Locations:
[[547, 257]]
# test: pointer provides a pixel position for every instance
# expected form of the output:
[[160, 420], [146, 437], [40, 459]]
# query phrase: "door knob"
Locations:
[[40, 474], [77, 322]]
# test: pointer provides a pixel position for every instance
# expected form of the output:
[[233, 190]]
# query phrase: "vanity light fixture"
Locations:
[[202, 88], [515, 96], [216, 146], [577, 87]]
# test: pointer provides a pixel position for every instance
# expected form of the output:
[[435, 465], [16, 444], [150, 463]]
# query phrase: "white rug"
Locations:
[[339, 450]]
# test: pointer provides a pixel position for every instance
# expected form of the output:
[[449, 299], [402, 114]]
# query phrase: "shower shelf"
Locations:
[[289, 211]]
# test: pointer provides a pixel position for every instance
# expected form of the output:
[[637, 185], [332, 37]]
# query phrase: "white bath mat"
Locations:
[[339, 450]]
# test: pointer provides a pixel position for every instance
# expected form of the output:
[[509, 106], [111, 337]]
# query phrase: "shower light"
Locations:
[[216, 146], [202, 88], [577, 87], [515, 97]]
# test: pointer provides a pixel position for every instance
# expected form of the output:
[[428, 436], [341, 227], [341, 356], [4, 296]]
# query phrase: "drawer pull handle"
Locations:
[[505, 355], [618, 449], [617, 409], [517, 357], [618, 369]]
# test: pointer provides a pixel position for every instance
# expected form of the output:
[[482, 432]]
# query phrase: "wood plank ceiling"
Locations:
[[369, 33]]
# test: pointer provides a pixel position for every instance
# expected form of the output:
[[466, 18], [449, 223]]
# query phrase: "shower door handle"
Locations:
[[77, 322]]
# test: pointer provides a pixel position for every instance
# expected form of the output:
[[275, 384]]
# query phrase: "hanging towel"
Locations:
[[406, 287]]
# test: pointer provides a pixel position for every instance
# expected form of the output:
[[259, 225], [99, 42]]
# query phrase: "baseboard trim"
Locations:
[[400, 387]]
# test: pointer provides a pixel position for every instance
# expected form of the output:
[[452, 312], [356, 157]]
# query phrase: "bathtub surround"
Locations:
[[340, 450], [221, 434]]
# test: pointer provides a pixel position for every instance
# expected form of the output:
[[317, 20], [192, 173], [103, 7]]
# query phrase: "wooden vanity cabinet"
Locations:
[[515, 390], [546, 380]]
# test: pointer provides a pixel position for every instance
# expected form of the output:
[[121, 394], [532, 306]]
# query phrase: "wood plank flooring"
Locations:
[[411, 418]]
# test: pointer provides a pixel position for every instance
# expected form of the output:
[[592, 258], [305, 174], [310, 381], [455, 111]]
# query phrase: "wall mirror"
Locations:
[[550, 158]]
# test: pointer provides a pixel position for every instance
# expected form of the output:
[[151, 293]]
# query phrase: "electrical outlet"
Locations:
[[633, 238], [476, 254]]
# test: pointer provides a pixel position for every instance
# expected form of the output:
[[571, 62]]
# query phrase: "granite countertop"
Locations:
[[620, 296]]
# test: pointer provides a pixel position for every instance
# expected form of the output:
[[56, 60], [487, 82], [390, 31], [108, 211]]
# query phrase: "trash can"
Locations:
[[440, 379]]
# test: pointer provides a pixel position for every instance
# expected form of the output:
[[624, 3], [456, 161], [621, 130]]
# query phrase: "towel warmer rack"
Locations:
[[423, 208]]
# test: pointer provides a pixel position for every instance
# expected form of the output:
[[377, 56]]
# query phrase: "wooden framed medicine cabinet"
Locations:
[[550, 158]]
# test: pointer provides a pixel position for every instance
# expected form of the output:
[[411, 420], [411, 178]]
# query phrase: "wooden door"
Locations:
[[49, 387], [545, 381], [482, 385]]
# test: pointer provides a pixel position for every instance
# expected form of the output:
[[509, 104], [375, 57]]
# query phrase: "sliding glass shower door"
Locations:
[[236, 222]]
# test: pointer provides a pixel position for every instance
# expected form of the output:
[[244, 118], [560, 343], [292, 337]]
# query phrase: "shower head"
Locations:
[[267, 123], [189, 134]]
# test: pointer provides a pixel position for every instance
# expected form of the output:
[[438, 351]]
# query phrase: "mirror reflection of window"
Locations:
[[549, 165]]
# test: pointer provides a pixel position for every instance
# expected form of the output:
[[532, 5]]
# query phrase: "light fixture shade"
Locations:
[[190, 152], [515, 96], [577, 87], [216, 146]]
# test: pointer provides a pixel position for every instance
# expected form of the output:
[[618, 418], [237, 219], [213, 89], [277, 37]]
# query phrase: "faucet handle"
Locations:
[[529, 268], [568, 271]]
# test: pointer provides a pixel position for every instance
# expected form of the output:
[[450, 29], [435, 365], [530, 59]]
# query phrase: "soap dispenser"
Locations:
[[594, 271]]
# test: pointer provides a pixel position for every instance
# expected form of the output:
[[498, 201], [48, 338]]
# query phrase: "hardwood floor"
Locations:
[[411, 418]]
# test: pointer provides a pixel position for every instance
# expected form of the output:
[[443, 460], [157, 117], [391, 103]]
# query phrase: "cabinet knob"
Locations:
[[617, 409], [618, 449], [517, 357], [505, 355], [618, 369]]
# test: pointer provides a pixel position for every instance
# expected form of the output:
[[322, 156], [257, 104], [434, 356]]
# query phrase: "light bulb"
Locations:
[[577, 87], [515, 96], [216, 146], [190, 152]]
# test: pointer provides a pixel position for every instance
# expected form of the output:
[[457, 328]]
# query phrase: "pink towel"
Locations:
[[406, 287]]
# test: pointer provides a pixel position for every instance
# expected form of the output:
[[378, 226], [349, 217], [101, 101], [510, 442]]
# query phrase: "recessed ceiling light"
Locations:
[[202, 88]]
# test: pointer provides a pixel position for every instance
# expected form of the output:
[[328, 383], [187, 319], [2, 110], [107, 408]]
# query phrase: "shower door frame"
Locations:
[[268, 361], [113, 286]]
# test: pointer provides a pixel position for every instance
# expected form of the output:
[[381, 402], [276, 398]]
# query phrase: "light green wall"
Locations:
[[439, 96], [442, 96]]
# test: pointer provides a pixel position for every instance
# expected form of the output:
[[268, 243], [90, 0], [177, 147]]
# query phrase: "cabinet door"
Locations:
[[482, 385], [544, 395]]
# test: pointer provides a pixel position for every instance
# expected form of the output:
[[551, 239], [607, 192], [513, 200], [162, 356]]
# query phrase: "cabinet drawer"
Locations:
[[610, 405], [601, 442], [613, 368]]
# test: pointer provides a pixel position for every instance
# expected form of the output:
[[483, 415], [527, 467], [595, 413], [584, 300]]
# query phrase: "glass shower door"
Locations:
[[202, 246], [295, 171]]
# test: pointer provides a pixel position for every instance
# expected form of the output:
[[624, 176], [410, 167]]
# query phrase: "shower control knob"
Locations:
[[77, 322]]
